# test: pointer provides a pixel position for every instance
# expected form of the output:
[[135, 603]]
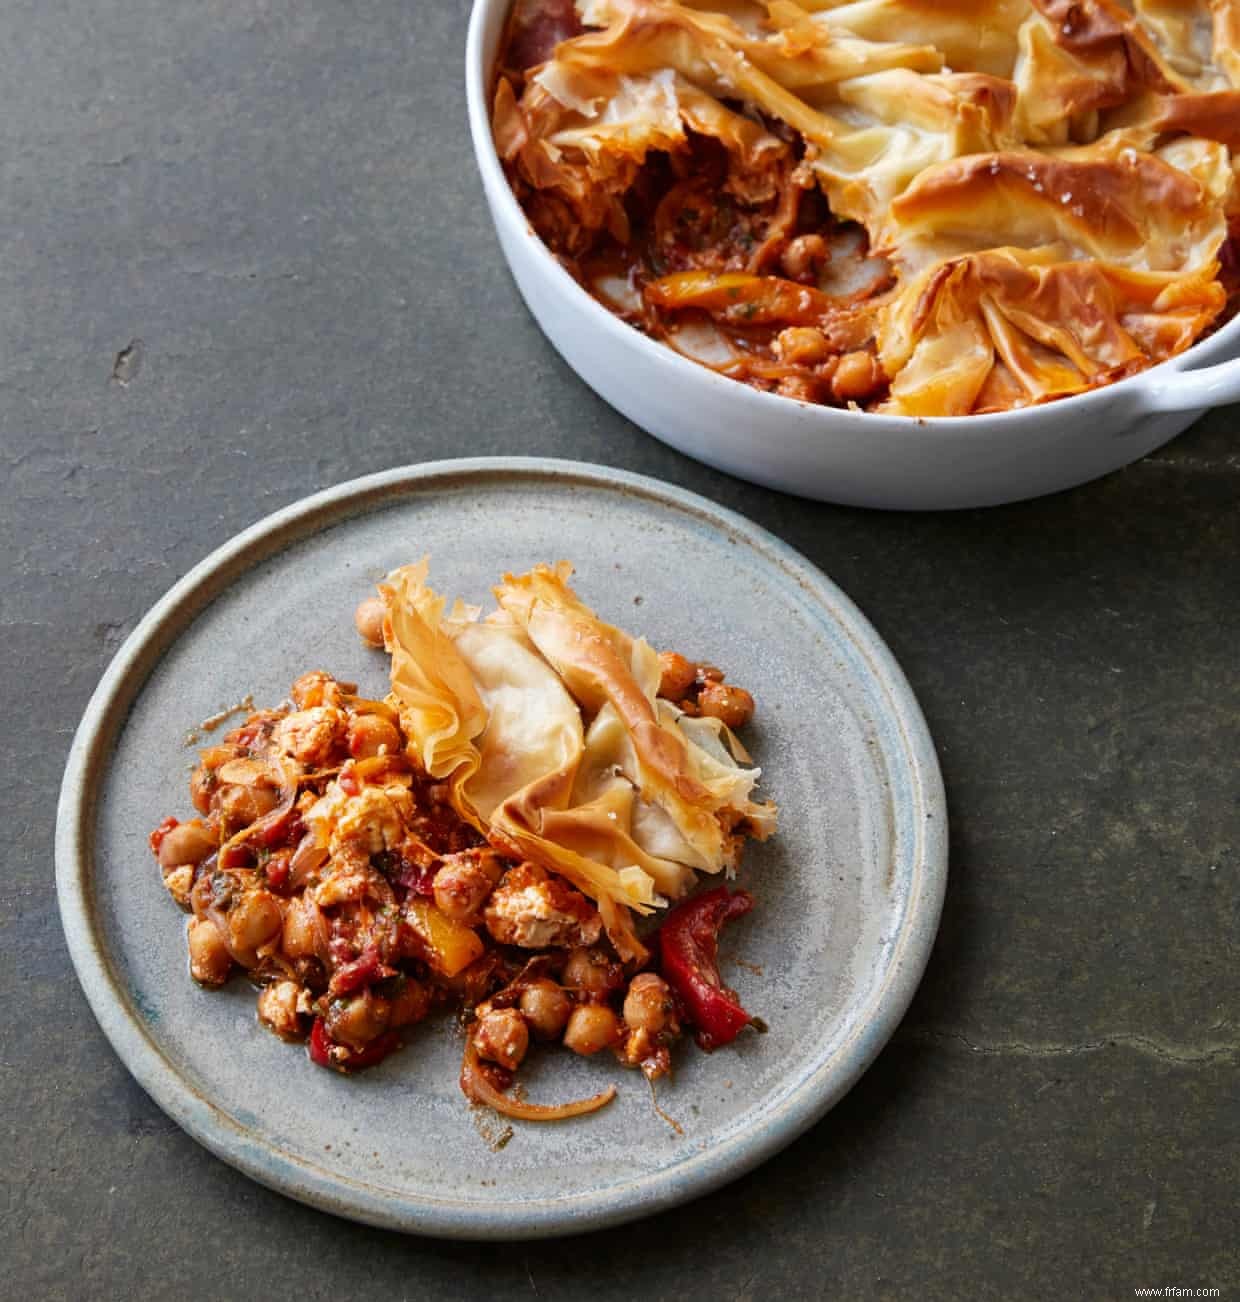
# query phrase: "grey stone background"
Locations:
[[279, 200]]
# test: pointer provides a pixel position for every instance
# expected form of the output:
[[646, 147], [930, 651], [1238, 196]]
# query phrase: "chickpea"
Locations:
[[190, 843], [856, 377], [802, 346], [254, 920], [277, 1009], [804, 258], [590, 972], [500, 1035], [733, 705], [591, 1027], [180, 882], [545, 1006], [410, 1004], [301, 933], [677, 675], [356, 1021], [648, 1004], [201, 786], [369, 617], [372, 734], [239, 806], [209, 959], [463, 885]]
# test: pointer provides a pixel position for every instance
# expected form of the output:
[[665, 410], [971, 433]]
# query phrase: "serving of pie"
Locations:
[[917, 207], [482, 839]]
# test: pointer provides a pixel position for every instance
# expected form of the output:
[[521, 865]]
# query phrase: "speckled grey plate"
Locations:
[[849, 893]]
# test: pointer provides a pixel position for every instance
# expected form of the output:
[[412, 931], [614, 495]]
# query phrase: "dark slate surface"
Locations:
[[278, 201]]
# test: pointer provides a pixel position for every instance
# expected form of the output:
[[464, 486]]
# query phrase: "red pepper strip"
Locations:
[[320, 1045], [362, 971], [156, 839], [373, 1053], [276, 870], [284, 826], [536, 27], [689, 954], [236, 856], [347, 1060], [417, 878]]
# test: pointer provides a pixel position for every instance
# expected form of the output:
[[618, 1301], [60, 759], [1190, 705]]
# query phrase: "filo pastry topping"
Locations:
[[545, 722], [1051, 183]]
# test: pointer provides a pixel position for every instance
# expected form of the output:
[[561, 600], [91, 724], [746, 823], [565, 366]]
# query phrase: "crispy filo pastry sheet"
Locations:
[[546, 724], [1051, 181]]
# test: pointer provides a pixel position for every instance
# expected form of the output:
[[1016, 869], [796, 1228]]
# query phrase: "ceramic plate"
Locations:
[[848, 894]]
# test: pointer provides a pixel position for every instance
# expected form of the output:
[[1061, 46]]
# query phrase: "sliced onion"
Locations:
[[704, 342], [618, 292], [313, 776], [288, 796], [476, 1086], [322, 933], [307, 858]]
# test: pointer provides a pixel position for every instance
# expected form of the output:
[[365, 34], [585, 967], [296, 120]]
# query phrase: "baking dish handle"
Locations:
[[1212, 386]]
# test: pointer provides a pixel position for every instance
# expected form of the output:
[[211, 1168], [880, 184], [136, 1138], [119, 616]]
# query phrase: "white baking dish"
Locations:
[[823, 452]]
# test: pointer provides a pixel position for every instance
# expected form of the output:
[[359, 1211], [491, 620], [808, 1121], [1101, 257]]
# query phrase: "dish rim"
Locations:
[[1215, 349], [193, 1110]]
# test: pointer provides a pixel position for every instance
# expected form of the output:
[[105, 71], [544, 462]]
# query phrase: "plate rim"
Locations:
[[698, 1174]]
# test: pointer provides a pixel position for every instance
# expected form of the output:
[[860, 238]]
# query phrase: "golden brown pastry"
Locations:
[[921, 208]]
